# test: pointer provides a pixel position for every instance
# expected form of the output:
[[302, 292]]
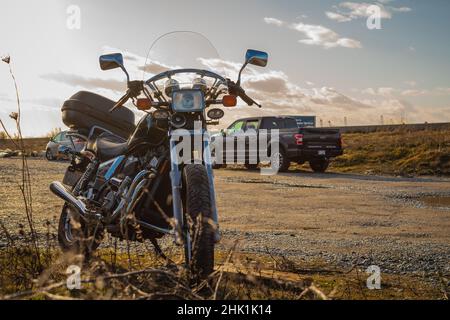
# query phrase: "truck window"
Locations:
[[290, 123], [252, 125], [235, 127], [274, 123]]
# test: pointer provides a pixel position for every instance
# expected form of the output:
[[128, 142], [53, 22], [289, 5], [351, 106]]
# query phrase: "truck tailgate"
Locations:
[[318, 138]]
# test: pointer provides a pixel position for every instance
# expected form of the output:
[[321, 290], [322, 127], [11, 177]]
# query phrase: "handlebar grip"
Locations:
[[246, 98]]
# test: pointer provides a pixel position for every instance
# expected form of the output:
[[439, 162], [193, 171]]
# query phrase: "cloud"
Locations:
[[274, 21], [337, 17], [414, 92], [411, 83], [348, 11], [388, 92], [318, 35], [86, 82], [280, 96]]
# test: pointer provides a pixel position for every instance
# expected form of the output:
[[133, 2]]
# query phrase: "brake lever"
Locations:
[[120, 102]]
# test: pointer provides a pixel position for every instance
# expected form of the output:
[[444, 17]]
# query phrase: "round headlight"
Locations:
[[216, 114]]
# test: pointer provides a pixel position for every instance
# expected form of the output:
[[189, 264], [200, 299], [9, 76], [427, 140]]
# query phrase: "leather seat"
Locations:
[[108, 147]]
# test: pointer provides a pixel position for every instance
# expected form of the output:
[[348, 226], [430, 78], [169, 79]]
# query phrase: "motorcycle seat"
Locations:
[[108, 147]]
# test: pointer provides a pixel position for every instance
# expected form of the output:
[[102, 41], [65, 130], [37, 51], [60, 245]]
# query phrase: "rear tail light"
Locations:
[[299, 139]]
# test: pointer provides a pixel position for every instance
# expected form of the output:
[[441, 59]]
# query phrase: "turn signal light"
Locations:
[[143, 104], [229, 101]]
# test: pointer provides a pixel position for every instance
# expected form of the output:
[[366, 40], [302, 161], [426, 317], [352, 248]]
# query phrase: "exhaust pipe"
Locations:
[[60, 191]]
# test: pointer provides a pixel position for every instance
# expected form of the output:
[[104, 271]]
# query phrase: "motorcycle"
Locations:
[[155, 183]]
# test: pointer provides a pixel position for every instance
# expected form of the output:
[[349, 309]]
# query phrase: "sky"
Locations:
[[324, 60]]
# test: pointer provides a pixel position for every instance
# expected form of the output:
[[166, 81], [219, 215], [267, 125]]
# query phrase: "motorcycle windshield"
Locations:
[[182, 50]]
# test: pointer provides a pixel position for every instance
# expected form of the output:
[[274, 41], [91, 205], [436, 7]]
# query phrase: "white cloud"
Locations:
[[321, 36], [414, 92], [386, 91], [411, 83], [274, 21], [348, 11], [337, 17]]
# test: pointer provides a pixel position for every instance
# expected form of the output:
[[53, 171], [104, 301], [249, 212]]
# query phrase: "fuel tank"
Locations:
[[148, 132]]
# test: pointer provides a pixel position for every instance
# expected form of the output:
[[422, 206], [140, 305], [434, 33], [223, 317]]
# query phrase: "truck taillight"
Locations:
[[299, 139]]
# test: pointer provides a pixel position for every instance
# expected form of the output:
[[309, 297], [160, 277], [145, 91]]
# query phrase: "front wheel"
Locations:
[[49, 155], [280, 161], [198, 220]]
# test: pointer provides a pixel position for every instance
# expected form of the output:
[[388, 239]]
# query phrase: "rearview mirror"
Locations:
[[257, 58], [111, 61]]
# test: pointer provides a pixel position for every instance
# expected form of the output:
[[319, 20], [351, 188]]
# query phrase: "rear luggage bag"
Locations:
[[85, 110]]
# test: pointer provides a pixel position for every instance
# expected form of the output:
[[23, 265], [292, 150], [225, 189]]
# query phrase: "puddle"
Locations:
[[436, 202]]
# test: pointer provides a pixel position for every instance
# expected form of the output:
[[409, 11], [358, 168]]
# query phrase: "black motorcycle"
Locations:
[[159, 180]]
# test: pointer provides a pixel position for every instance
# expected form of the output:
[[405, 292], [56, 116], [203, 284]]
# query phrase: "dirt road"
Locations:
[[399, 224]]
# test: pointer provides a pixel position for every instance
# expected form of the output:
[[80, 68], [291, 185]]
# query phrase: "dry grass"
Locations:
[[30, 144], [113, 274], [396, 153]]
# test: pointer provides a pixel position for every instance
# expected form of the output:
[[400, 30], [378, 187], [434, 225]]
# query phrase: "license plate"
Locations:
[[322, 152]]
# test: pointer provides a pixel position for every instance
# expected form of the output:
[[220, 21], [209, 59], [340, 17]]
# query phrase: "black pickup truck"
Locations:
[[314, 145]]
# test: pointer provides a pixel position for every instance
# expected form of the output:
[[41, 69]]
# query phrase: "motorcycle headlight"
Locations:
[[188, 101]]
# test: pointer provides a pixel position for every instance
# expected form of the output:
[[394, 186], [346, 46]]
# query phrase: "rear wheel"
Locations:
[[198, 220], [319, 165], [75, 236]]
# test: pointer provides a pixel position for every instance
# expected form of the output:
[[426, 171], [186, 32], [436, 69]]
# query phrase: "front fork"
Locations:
[[181, 230]]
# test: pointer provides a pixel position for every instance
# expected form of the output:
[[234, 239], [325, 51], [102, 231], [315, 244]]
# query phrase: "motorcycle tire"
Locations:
[[73, 235], [198, 215]]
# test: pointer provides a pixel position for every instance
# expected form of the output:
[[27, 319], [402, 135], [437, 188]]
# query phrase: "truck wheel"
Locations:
[[280, 160], [197, 203], [319, 165]]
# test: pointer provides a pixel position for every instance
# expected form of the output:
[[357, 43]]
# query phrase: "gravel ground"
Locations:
[[341, 219]]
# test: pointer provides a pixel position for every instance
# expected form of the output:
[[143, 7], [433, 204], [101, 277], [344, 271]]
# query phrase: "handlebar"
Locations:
[[136, 87], [237, 90], [121, 102], [134, 90]]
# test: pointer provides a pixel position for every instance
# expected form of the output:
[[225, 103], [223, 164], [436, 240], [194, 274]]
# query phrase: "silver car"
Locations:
[[62, 139]]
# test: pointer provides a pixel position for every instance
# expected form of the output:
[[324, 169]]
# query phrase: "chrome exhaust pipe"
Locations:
[[60, 191]]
